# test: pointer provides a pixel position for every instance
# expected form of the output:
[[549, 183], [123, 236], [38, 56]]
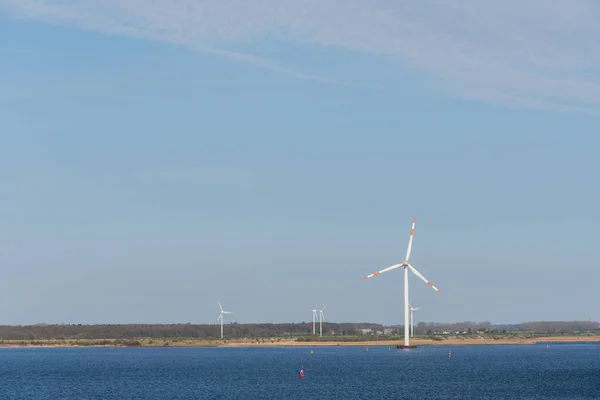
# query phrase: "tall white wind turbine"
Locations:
[[405, 264], [412, 315], [221, 317], [321, 319], [314, 315]]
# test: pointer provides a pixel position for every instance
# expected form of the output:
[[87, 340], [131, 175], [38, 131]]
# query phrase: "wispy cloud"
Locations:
[[529, 53]]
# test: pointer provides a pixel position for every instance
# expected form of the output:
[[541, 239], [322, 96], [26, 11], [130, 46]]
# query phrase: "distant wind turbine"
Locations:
[[404, 264], [412, 313], [321, 319], [314, 316], [221, 317]]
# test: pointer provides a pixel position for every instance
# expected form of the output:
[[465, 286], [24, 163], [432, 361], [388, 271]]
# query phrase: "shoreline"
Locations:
[[427, 342], [269, 342]]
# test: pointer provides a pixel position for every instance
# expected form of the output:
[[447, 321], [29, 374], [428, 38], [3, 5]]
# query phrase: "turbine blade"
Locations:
[[412, 233], [324, 308], [417, 273], [220, 316], [221, 308], [382, 271]]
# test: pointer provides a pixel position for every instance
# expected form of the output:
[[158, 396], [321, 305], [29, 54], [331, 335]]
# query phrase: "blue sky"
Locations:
[[159, 158]]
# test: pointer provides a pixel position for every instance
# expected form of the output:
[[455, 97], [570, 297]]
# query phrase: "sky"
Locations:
[[158, 157]]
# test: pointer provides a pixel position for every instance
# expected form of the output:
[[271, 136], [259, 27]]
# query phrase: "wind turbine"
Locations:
[[412, 325], [321, 319], [314, 315], [221, 317], [404, 264]]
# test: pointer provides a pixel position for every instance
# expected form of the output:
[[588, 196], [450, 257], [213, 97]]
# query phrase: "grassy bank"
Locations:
[[300, 341]]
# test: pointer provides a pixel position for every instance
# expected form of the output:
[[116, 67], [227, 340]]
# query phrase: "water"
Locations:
[[570, 371]]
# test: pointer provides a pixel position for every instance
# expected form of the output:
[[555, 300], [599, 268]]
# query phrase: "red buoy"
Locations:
[[302, 372]]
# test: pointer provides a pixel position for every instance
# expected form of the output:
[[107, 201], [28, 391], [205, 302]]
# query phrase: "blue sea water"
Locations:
[[567, 371]]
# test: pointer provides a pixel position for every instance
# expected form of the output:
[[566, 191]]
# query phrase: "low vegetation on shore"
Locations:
[[258, 342], [345, 334]]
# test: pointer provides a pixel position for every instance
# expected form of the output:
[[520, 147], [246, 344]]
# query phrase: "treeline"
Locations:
[[560, 326], [166, 331], [469, 327], [486, 327]]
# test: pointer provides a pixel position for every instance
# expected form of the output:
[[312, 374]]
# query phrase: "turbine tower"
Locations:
[[412, 325], [405, 264], [314, 315], [321, 319], [221, 317]]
